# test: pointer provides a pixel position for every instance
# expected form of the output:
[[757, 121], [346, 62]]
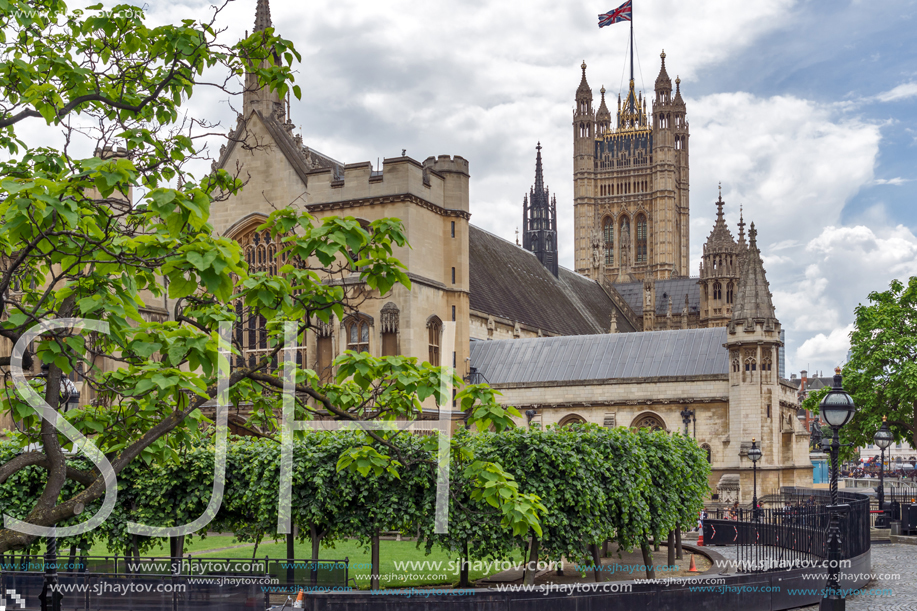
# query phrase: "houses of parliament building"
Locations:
[[627, 338]]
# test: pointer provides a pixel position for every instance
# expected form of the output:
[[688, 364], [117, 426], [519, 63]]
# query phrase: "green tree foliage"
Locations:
[[881, 374], [94, 236]]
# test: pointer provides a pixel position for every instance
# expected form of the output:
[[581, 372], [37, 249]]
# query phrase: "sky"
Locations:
[[804, 110]]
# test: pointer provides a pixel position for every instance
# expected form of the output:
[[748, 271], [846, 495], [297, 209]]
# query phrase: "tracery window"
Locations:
[[717, 291], [435, 333], [649, 421], [729, 292], [263, 255], [356, 329], [641, 239], [609, 232]]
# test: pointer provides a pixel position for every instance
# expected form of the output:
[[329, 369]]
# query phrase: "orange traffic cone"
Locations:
[[299, 599], [700, 540], [693, 567]]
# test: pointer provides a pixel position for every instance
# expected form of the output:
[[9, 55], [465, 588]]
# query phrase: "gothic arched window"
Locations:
[[641, 239], [435, 333], [729, 293], [717, 291], [706, 448], [609, 232], [356, 331]]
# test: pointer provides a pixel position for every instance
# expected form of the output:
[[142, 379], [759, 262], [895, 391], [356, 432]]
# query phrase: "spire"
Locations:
[[539, 220], [263, 16], [583, 84], [753, 302], [678, 99], [255, 97], [720, 239], [603, 109], [663, 81], [741, 229], [539, 176]]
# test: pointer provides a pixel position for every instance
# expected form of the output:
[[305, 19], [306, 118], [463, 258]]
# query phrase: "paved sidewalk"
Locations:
[[888, 560]]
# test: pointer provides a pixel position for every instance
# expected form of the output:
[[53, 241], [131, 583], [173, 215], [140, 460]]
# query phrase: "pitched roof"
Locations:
[[683, 352], [676, 288], [509, 282]]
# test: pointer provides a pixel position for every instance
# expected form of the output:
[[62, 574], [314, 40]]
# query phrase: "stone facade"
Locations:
[[631, 207]]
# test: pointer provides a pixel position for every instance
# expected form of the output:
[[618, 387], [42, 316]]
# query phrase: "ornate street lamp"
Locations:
[[883, 438], [754, 454], [837, 408], [686, 415]]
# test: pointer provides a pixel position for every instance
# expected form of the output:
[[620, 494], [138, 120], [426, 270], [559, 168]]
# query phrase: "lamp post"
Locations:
[[754, 454], [686, 415], [837, 408], [883, 438]]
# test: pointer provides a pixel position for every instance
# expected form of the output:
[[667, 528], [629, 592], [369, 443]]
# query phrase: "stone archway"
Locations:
[[571, 419], [649, 420]]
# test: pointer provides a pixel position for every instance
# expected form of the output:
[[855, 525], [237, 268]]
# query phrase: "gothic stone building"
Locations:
[[628, 339]]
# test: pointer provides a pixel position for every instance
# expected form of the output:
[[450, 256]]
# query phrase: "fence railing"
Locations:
[[791, 533], [281, 571]]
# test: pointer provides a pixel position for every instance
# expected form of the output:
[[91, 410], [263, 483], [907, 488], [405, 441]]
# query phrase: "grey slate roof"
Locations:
[[683, 352], [509, 282], [676, 288]]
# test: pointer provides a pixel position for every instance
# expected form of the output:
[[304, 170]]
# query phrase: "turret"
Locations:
[[584, 122], [255, 97], [720, 269], [603, 116]]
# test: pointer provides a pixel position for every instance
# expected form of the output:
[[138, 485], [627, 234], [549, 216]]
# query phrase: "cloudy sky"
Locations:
[[803, 109]]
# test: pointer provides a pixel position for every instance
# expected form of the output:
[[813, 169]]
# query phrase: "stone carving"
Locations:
[[389, 318], [728, 488]]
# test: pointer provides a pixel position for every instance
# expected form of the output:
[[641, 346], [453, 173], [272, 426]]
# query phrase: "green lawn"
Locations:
[[359, 557], [199, 544]]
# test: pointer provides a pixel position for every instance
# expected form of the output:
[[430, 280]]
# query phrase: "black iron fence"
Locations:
[[171, 584], [305, 572], [792, 532]]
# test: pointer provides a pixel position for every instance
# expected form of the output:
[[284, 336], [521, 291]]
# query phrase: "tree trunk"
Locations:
[[647, 559], [531, 567], [655, 543], [463, 574], [679, 553], [135, 547], [317, 537], [257, 543], [374, 577], [596, 562], [606, 549], [670, 548]]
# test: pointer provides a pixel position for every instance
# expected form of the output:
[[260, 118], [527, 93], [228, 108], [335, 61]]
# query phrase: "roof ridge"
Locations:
[[528, 252]]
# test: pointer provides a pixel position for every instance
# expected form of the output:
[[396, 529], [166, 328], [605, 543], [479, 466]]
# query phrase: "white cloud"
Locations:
[[823, 352], [843, 265], [901, 92], [781, 157], [897, 181]]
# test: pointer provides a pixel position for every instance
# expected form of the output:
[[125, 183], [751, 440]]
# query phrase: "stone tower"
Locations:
[[720, 270], [754, 388], [631, 184], [539, 220], [259, 98]]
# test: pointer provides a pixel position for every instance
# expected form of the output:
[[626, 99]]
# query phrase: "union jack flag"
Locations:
[[622, 13]]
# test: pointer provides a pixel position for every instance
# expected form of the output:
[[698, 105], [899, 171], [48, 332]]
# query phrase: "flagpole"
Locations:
[[632, 46]]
